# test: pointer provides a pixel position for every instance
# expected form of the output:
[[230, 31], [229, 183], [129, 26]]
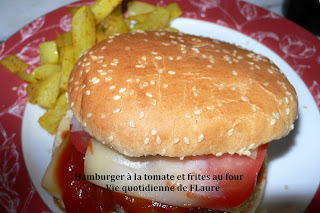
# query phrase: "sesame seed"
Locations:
[[186, 140], [158, 57], [88, 92], [195, 49], [160, 71], [179, 57], [94, 57], [273, 121], [154, 102], [288, 93], [141, 115], [87, 64], [89, 115], [287, 99], [154, 53], [230, 132], [170, 58], [154, 132], [270, 71], [117, 97], [219, 104], [266, 83], [110, 139], [176, 140], [109, 78], [244, 98], [144, 58], [95, 80], [209, 66], [76, 82], [84, 124], [149, 94], [210, 107], [158, 140], [83, 86], [200, 138], [104, 65], [254, 108], [251, 146], [72, 104], [131, 92], [138, 80], [152, 82], [116, 110], [218, 154], [171, 72], [198, 111], [127, 48], [288, 111], [188, 115], [104, 47], [76, 88], [131, 124], [234, 72], [165, 85], [122, 90], [146, 141], [280, 102], [112, 87]]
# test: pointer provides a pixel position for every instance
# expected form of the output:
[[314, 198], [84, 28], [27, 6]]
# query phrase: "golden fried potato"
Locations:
[[138, 8], [26, 77], [67, 64], [51, 119], [44, 70], [101, 36], [102, 8], [48, 52], [83, 31], [31, 92], [63, 40], [14, 64], [73, 10], [116, 25], [174, 10], [48, 90], [156, 20]]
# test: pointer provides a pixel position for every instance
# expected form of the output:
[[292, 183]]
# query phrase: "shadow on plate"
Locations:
[[278, 148]]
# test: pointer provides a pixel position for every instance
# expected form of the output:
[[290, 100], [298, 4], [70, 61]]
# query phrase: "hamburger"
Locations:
[[165, 121]]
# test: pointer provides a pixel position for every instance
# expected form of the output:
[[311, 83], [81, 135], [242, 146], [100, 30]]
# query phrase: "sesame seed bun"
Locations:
[[172, 94]]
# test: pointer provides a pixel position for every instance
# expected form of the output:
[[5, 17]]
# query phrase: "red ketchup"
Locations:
[[83, 196]]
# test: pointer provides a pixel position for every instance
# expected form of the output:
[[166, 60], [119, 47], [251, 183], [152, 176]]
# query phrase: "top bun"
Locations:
[[173, 94]]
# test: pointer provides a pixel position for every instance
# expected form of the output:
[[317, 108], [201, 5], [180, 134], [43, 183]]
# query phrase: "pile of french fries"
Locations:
[[48, 82]]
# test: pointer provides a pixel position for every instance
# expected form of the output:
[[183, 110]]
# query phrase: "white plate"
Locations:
[[293, 173]]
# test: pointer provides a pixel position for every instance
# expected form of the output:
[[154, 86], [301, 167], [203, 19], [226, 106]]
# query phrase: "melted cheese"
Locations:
[[104, 161]]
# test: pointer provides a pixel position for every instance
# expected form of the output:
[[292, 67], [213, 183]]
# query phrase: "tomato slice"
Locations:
[[239, 175], [79, 137]]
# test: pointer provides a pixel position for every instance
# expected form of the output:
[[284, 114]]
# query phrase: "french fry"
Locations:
[[100, 36], [48, 90], [26, 77], [116, 25], [73, 10], [63, 40], [67, 64], [31, 92], [156, 20], [138, 8], [44, 70], [174, 10], [51, 119], [102, 8], [14, 64], [48, 53], [83, 31]]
